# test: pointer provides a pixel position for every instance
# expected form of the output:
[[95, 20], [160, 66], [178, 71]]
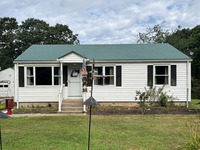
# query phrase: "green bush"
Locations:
[[195, 91], [153, 95], [163, 100], [142, 96]]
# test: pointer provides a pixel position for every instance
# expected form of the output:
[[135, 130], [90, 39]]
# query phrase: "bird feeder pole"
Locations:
[[90, 102]]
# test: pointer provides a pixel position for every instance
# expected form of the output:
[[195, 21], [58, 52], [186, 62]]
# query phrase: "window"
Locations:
[[56, 75], [99, 74], [105, 76], [161, 75], [43, 76], [109, 76], [30, 76]]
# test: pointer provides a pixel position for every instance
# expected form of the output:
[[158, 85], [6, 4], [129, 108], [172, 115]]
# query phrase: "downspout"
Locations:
[[61, 83], [16, 85], [187, 82]]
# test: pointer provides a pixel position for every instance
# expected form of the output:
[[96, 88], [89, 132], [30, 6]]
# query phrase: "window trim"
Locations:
[[54, 76], [34, 75], [104, 72], [154, 74], [26, 75]]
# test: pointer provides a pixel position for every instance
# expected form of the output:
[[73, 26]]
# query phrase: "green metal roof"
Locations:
[[107, 52]]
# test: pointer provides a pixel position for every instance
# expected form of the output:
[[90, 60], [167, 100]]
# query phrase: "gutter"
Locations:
[[187, 82]]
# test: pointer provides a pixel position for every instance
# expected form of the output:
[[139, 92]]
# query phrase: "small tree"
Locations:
[[142, 96], [152, 95]]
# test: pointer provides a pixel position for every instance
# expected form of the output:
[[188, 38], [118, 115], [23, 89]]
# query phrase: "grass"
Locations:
[[194, 104], [151, 132], [2, 106]]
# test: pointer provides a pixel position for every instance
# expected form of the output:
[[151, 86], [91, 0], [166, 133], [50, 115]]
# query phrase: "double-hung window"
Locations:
[[161, 75], [56, 75], [104, 75], [30, 76], [99, 76], [109, 75]]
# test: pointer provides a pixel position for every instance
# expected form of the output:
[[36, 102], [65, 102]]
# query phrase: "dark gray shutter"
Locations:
[[118, 76], [150, 75], [65, 75], [21, 76], [173, 75], [89, 81]]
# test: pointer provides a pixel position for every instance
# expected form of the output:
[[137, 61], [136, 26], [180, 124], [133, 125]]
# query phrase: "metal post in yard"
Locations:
[[90, 102]]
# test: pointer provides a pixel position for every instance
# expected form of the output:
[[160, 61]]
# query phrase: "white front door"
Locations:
[[74, 81]]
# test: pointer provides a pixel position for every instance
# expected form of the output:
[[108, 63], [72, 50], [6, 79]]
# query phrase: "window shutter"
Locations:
[[65, 75], [118, 76], [89, 81], [21, 76], [173, 75], [150, 75]]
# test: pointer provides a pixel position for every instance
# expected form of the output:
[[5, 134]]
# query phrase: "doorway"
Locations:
[[74, 81]]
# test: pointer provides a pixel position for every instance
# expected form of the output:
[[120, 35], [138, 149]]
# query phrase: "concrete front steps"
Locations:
[[72, 106]]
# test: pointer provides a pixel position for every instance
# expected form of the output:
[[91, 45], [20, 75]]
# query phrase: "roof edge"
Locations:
[[70, 53]]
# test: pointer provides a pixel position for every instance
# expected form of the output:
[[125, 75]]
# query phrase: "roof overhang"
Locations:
[[101, 61], [140, 61]]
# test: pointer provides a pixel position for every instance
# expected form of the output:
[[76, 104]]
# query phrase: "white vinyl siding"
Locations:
[[134, 77], [38, 94]]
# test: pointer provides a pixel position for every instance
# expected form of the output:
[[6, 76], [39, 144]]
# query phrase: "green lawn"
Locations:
[[151, 132], [2, 106], [194, 104]]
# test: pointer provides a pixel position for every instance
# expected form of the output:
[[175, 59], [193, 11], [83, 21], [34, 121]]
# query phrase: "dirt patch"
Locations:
[[136, 111]]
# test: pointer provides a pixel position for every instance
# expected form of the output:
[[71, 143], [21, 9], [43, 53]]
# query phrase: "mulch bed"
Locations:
[[137, 111]]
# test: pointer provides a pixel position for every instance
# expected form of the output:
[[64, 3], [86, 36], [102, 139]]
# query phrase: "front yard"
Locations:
[[152, 132]]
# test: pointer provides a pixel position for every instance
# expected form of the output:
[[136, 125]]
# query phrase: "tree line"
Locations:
[[186, 40], [15, 38]]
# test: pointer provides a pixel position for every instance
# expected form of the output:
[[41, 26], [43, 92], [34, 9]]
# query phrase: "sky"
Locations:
[[106, 21]]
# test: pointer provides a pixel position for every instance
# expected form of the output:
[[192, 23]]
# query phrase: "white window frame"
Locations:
[[154, 74], [54, 76], [29, 76], [104, 75], [34, 75]]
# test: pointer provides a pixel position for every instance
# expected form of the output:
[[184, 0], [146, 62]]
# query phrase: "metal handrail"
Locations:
[[60, 96]]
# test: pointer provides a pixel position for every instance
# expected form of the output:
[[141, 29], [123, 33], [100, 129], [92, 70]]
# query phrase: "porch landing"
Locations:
[[72, 106]]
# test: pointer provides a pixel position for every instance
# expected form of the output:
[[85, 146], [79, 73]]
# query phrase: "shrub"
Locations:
[[152, 95], [163, 100], [142, 96]]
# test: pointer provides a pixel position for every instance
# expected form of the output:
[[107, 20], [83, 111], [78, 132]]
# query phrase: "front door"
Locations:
[[74, 81]]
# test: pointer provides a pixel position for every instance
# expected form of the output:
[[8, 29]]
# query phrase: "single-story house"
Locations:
[[52, 73], [7, 83]]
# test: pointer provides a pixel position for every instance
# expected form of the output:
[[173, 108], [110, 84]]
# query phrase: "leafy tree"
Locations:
[[186, 40], [35, 31], [14, 38], [155, 34], [8, 27]]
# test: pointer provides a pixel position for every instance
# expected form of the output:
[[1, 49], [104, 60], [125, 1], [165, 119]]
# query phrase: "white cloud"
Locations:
[[106, 21]]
